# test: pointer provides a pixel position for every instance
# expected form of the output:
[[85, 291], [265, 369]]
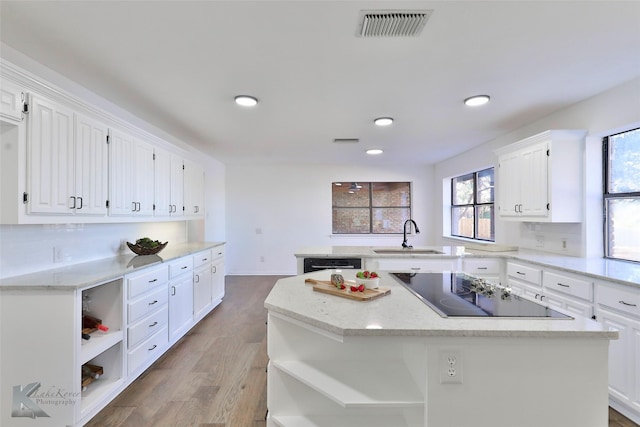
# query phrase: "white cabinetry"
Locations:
[[307, 386], [570, 292], [524, 279], [131, 189], [169, 182], [12, 99], [217, 271], [202, 285], [413, 265], [193, 189], [618, 308], [540, 178], [487, 268], [180, 297], [147, 317], [91, 171]]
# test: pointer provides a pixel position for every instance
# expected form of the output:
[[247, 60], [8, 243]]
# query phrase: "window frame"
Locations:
[[371, 207], [608, 195], [475, 205]]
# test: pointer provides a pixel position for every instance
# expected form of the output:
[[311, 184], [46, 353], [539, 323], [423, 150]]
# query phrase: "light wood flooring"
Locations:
[[216, 375]]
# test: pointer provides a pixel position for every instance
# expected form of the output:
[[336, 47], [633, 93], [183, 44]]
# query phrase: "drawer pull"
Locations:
[[184, 267], [563, 285], [152, 348], [154, 302], [173, 290], [154, 280], [628, 304], [521, 273], [205, 259], [415, 268], [153, 324], [482, 268]]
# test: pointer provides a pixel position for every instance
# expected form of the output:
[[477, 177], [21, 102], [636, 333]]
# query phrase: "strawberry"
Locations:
[[373, 275], [366, 274], [342, 286], [354, 289], [361, 288]]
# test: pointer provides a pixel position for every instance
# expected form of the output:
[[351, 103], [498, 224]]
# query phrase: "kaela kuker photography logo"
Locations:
[[27, 400]]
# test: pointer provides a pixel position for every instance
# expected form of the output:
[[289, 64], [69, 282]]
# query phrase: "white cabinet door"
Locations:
[[162, 182], [143, 178], [91, 160], [11, 101], [121, 173], [202, 291], [50, 154], [177, 186], [193, 189], [180, 307], [509, 188], [217, 270], [533, 183]]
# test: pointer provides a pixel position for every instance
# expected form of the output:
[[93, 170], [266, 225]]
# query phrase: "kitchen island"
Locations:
[[394, 361]]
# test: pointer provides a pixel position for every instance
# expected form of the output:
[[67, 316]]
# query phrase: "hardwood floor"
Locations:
[[216, 375]]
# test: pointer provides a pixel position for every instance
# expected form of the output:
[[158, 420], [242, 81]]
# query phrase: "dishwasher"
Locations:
[[317, 264]]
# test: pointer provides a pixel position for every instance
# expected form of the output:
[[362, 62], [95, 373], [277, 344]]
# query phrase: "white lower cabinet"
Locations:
[[413, 265], [618, 309], [569, 292], [524, 279], [307, 387], [487, 268]]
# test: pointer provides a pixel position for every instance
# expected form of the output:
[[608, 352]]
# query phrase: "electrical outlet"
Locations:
[[564, 244], [450, 367]]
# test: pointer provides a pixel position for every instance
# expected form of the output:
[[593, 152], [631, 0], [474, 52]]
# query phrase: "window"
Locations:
[[370, 207], [472, 212], [622, 195]]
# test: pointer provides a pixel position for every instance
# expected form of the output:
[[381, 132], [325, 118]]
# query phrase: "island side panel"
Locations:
[[528, 382]]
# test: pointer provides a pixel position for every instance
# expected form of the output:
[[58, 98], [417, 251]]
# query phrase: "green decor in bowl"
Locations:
[[146, 246]]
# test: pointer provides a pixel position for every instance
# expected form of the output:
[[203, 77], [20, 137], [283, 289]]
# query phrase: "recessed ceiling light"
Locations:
[[374, 151], [477, 100], [246, 100], [383, 121]]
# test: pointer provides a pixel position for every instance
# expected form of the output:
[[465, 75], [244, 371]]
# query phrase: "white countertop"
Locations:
[[89, 273], [402, 314], [626, 273]]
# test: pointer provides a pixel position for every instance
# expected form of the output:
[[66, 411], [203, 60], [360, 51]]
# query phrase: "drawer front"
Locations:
[[147, 280], [218, 252], [147, 304], [524, 272], [180, 266], [481, 266], [149, 350], [202, 258], [147, 326], [619, 298], [416, 265], [570, 285]]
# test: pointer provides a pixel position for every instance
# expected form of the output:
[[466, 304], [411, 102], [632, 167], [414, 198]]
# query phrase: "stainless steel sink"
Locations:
[[408, 252]]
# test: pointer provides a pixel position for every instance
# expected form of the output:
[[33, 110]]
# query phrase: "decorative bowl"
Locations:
[[368, 283], [144, 250]]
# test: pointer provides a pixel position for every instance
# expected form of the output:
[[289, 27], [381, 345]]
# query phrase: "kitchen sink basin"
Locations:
[[408, 252]]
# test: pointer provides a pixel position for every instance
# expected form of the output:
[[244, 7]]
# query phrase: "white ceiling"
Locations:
[[179, 64]]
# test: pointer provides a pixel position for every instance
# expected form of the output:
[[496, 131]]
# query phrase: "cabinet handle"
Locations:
[[153, 324], [152, 348], [197, 278], [563, 285], [521, 273], [628, 304], [154, 302], [173, 290], [541, 297], [133, 206], [184, 267], [415, 268], [205, 259], [482, 268], [213, 269], [81, 204], [154, 280], [74, 202]]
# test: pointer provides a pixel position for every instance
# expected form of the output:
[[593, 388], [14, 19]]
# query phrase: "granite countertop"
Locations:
[[622, 272], [94, 272], [402, 314]]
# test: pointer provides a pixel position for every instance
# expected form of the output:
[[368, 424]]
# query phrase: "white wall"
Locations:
[[612, 111], [273, 210]]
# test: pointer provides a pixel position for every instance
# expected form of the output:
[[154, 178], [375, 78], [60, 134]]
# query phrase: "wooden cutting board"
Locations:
[[325, 286]]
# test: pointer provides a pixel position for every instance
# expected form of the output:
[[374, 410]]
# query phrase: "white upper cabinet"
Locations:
[[11, 101], [131, 184], [540, 178], [168, 169], [91, 160], [193, 189]]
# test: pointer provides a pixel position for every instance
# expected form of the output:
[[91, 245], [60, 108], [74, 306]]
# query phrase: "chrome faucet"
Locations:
[[404, 242]]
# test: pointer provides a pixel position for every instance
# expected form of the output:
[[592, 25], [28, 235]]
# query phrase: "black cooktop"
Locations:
[[461, 295]]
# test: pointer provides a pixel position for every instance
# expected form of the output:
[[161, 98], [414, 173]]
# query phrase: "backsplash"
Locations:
[[28, 248]]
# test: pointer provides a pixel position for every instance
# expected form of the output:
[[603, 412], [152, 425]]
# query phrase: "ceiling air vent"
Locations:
[[392, 23], [346, 140]]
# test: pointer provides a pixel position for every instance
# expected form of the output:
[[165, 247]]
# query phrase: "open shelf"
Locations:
[[354, 384], [340, 421], [99, 342], [112, 378]]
